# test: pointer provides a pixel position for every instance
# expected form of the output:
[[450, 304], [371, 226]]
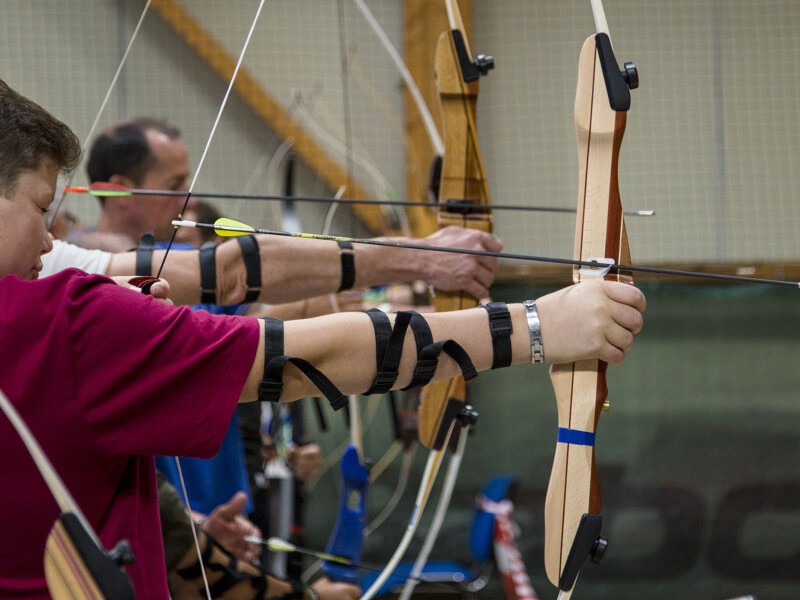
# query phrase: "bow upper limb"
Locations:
[[572, 509]]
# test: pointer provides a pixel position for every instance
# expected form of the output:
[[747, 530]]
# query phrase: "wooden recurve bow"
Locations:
[[462, 181], [572, 508], [76, 565], [462, 187]]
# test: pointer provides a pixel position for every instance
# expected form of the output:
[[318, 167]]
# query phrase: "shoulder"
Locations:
[[64, 283], [49, 302], [72, 292]]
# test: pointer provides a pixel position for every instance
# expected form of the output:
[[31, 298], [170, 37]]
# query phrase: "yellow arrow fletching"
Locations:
[[230, 228], [277, 544]]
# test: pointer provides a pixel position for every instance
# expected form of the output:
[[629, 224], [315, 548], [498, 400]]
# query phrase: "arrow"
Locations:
[[230, 228], [111, 190], [276, 544]]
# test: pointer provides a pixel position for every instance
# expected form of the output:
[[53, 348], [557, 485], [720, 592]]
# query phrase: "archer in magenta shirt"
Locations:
[[106, 379]]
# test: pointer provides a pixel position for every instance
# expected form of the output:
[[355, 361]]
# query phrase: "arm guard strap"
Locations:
[[274, 362]]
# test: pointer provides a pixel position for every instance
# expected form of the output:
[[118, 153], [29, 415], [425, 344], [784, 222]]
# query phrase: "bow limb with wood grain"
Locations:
[[573, 505], [462, 178], [75, 563]]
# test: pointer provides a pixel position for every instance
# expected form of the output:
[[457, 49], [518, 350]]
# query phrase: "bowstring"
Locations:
[[199, 168], [59, 202]]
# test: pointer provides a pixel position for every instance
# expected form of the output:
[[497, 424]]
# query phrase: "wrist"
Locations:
[[377, 265], [347, 266], [414, 265]]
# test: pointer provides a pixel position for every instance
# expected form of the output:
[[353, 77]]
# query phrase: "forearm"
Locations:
[[342, 346], [378, 265], [291, 270], [596, 319], [182, 270], [284, 312], [468, 328], [311, 307]]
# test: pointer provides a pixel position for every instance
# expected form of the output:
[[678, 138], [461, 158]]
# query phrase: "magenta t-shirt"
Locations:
[[106, 378]]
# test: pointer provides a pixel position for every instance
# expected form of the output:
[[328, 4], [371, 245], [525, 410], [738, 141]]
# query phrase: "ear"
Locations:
[[122, 180], [126, 182]]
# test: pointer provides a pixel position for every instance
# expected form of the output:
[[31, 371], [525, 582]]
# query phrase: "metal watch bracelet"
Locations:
[[534, 328]]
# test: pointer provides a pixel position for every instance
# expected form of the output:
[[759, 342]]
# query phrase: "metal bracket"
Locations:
[[599, 271]]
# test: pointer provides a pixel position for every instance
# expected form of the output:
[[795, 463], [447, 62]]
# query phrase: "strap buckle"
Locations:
[[270, 391], [500, 324], [338, 402], [383, 382], [426, 367]]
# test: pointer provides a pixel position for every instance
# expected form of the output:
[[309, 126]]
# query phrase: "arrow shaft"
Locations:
[[506, 255], [329, 200]]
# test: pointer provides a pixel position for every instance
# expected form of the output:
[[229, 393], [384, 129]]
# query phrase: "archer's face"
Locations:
[[23, 234], [171, 172]]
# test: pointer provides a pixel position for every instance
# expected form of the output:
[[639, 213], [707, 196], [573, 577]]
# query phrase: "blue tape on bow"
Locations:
[[575, 436]]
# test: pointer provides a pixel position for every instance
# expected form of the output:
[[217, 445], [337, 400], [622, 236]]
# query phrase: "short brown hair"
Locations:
[[30, 135], [123, 149]]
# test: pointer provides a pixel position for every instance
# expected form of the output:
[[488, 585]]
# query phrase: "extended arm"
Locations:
[[293, 269], [590, 320]]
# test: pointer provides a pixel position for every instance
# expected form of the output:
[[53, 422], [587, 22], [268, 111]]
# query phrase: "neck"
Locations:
[[109, 225]]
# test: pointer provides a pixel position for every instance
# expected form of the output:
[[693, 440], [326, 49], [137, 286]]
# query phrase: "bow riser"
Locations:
[[602, 97], [574, 488], [462, 177]]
